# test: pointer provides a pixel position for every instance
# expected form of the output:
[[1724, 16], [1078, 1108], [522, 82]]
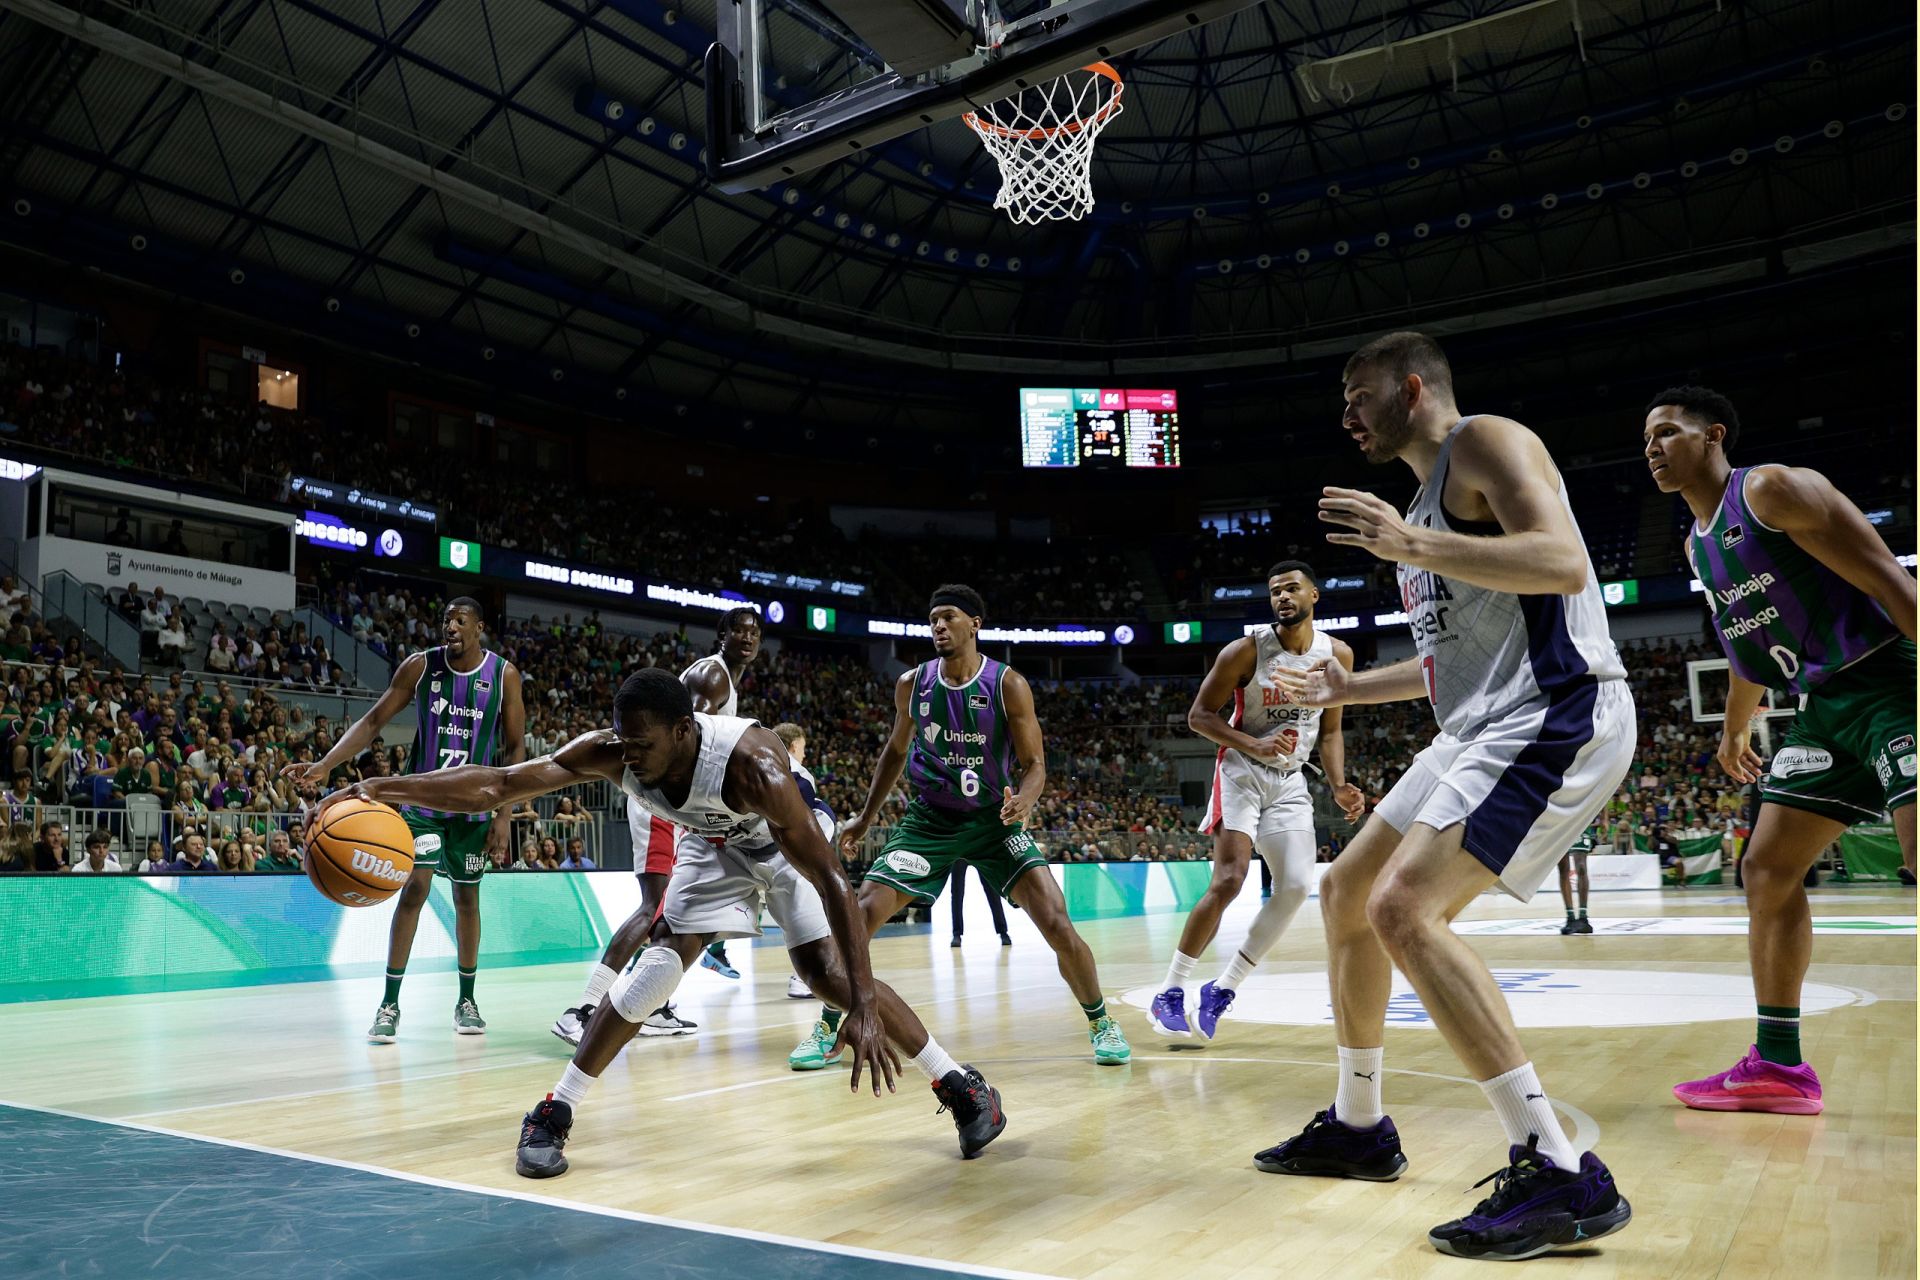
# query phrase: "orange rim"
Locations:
[[983, 126]]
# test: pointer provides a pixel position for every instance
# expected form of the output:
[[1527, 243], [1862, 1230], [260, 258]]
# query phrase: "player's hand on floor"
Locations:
[[862, 1033]]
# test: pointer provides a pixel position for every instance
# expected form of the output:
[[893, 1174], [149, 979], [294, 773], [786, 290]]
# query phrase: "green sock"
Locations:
[[1569, 913], [393, 986], [1779, 1035], [466, 983], [1095, 1011], [1583, 913], [831, 1016]]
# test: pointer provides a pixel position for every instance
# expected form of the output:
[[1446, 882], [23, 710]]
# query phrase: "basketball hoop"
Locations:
[[1042, 138]]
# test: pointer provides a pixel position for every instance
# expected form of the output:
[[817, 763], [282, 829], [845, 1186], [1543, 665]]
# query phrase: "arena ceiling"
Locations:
[[446, 181]]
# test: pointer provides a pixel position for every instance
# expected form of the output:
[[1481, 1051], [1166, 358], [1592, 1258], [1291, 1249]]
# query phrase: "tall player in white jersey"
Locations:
[[1260, 803], [1536, 732], [714, 683]]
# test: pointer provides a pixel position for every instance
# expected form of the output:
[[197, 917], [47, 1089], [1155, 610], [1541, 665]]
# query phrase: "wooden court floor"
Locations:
[[1142, 1170]]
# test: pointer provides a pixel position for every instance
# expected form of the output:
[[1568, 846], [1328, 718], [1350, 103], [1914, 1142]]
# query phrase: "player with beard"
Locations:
[[1260, 800], [1536, 732]]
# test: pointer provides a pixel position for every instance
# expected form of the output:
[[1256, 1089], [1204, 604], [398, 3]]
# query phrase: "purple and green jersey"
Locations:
[[1785, 620], [962, 757], [458, 716]]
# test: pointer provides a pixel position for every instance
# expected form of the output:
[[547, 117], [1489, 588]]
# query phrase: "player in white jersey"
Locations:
[[748, 842], [1260, 802], [1536, 732], [714, 683]]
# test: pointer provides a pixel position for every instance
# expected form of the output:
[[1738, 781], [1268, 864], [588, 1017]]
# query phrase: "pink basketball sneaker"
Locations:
[[1755, 1084]]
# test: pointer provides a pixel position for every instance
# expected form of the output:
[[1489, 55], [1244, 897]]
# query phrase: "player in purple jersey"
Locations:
[[1805, 599], [965, 733], [467, 700]]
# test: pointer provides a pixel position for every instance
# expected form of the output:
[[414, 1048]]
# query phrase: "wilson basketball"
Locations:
[[363, 854]]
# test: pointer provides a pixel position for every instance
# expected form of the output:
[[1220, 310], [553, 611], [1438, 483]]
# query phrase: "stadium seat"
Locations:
[[143, 819]]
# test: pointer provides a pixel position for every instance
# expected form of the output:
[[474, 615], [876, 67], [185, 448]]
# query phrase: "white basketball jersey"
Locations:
[[705, 812], [732, 705], [1488, 655], [1264, 710]]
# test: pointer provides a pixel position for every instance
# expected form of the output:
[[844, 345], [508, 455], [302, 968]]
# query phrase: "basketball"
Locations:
[[362, 855]]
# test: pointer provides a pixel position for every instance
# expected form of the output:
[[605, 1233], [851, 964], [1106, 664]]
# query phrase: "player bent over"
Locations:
[[747, 839]]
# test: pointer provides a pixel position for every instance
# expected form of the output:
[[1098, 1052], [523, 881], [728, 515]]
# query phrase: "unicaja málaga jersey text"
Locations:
[[458, 716], [705, 812], [1785, 620], [1487, 654], [962, 754], [1265, 710]]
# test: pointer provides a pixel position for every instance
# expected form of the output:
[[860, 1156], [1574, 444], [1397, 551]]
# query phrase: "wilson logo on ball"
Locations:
[[374, 865]]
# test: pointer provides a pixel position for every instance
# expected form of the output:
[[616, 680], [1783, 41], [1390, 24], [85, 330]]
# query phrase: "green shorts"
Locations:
[[1849, 754], [920, 853], [456, 847]]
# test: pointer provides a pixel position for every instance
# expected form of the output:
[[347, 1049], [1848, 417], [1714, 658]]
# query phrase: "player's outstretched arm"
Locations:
[[1537, 552], [1016, 695], [479, 788], [1825, 524], [886, 770], [1231, 670], [1330, 684], [760, 780], [361, 733]]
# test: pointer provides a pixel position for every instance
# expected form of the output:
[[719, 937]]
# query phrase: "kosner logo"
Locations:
[[378, 867]]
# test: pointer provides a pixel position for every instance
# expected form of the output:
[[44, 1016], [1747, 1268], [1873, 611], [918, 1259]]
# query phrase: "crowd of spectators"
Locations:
[[177, 431]]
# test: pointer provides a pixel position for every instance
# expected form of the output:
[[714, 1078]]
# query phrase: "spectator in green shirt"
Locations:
[[279, 855], [135, 777]]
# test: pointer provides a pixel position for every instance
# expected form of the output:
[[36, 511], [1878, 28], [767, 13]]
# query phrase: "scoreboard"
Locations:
[[1098, 427]]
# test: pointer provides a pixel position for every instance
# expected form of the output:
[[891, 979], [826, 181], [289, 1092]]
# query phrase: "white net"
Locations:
[[1042, 139]]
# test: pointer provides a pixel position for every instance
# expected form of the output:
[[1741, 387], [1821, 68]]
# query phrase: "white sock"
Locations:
[[1521, 1103], [573, 1086], [1181, 970], [935, 1061], [1236, 972], [1357, 1099], [597, 983]]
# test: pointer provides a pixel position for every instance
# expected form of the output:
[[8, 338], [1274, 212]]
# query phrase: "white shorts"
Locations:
[[719, 890], [1526, 787], [1256, 800]]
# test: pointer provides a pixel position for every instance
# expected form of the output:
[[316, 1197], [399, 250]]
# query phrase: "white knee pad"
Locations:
[[646, 986]]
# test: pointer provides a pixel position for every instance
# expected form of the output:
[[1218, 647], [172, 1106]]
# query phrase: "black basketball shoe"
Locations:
[[1329, 1148], [543, 1136], [975, 1106]]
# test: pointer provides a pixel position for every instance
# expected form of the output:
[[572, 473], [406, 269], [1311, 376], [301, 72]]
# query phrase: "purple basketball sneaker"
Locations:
[[1214, 1003], [1328, 1148], [1169, 1014], [1536, 1206]]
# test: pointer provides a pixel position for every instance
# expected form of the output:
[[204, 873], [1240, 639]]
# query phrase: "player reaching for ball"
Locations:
[[1260, 800], [965, 731], [467, 699], [747, 840]]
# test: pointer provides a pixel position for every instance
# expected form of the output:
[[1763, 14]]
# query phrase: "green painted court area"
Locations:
[[91, 1198]]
